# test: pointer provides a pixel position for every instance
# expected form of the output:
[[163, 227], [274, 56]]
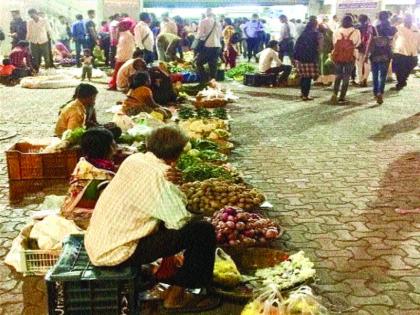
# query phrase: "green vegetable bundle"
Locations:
[[125, 138], [73, 137], [239, 72], [195, 169]]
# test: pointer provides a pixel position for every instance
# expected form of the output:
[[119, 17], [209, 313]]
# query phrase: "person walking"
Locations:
[[362, 62], [78, 33], [230, 48], [306, 57], [17, 28], [252, 31], [91, 35], [210, 32], [113, 36], [406, 48], [326, 66], [125, 49], [105, 41], [143, 36], [38, 34], [286, 39], [380, 54], [63, 31], [345, 41]]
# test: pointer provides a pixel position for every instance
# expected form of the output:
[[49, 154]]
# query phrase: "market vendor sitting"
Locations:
[[141, 217], [94, 170], [167, 44], [129, 69], [21, 58], [269, 62], [79, 112], [140, 98]]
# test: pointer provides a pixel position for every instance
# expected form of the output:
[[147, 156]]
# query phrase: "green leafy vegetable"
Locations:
[[220, 113], [201, 145], [238, 72], [73, 136]]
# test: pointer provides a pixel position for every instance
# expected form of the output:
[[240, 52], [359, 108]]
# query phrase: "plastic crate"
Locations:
[[259, 79], [30, 171], [77, 287], [38, 262]]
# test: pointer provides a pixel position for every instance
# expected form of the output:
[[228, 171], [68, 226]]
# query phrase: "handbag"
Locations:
[[198, 44]]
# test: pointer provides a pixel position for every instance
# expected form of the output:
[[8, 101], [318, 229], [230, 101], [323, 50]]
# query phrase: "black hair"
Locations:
[[138, 53], [90, 11], [31, 11], [363, 18], [140, 79], [144, 16], [347, 21], [6, 61], [104, 23], [86, 50], [311, 25], [23, 43], [84, 90], [96, 143], [383, 16], [124, 15], [283, 17], [79, 17], [228, 21], [272, 44], [115, 130]]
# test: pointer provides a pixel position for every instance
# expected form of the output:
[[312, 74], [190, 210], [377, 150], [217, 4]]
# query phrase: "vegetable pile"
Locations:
[[235, 226], [186, 112], [297, 269], [211, 195], [205, 128], [239, 72], [194, 168]]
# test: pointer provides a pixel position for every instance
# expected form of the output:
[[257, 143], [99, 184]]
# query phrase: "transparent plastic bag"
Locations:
[[303, 302]]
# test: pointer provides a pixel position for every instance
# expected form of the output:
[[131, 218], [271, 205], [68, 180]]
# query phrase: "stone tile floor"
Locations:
[[334, 175]]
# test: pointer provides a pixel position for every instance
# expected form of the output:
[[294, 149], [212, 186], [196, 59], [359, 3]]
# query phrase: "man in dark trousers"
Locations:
[[17, 28]]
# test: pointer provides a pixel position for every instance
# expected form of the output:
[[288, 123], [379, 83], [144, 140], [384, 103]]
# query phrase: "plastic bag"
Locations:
[[123, 121], [303, 302], [269, 302], [225, 271]]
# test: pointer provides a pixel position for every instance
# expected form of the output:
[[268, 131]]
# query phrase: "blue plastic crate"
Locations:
[[76, 287]]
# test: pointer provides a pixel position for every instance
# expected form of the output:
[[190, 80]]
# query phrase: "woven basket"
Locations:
[[212, 103]]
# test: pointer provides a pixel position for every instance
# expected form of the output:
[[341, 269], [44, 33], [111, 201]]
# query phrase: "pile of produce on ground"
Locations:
[[205, 128], [239, 71], [209, 196], [69, 139], [214, 96], [235, 227], [186, 112]]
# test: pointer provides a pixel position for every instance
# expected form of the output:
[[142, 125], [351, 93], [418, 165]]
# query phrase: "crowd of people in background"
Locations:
[[326, 51]]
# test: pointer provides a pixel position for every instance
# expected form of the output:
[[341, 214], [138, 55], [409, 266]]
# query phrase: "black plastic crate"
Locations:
[[76, 287], [259, 79]]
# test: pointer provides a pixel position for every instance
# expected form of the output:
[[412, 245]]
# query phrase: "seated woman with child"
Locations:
[[140, 98], [94, 170]]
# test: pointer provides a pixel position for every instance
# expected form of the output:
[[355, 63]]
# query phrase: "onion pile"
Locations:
[[235, 226], [209, 196]]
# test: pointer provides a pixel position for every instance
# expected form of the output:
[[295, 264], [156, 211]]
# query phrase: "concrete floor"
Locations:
[[334, 175]]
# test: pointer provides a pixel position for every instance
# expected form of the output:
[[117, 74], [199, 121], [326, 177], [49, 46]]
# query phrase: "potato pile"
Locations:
[[211, 195]]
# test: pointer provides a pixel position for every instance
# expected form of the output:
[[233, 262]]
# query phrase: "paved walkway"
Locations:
[[333, 174]]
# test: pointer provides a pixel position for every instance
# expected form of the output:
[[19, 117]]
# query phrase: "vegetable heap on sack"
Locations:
[[205, 128], [186, 112], [235, 226], [239, 71], [213, 194], [297, 269], [194, 168]]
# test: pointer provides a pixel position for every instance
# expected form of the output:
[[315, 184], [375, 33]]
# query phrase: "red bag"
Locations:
[[343, 50]]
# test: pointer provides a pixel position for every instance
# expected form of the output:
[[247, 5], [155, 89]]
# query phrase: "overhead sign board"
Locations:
[[368, 7], [217, 3]]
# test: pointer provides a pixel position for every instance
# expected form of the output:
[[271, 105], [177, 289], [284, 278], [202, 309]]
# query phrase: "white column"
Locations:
[[141, 5]]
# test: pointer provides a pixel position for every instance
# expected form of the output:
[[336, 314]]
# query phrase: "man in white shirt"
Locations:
[[143, 37], [286, 44], [210, 31], [270, 62], [168, 25], [406, 47], [38, 33]]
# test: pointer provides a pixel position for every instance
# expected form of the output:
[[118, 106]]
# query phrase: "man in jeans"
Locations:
[[78, 32], [38, 34], [211, 30], [406, 48], [147, 220]]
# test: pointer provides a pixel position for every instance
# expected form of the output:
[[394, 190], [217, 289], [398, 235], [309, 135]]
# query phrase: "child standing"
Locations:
[[87, 64]]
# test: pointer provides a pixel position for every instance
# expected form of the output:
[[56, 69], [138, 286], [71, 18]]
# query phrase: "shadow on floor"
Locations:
[[402, 126]]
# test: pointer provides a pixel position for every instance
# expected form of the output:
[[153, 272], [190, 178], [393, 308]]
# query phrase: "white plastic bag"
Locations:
[[123, 121]]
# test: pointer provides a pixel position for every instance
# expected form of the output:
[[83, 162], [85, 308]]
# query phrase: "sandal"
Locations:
[[195, 303]]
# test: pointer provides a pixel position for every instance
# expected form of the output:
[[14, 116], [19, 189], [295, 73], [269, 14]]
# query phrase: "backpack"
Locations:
[[381, 49], [343, 50], [236, 38]]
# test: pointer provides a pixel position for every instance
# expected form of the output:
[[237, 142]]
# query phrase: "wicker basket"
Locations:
[[211, 103], [38, 262], [31, 171]]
